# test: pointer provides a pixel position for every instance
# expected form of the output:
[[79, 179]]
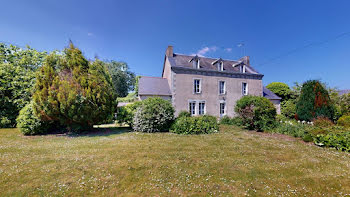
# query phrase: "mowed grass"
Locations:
[[232, 162]]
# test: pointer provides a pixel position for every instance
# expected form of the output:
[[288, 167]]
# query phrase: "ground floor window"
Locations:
[[201, 108], [222, 108], [192, 107]]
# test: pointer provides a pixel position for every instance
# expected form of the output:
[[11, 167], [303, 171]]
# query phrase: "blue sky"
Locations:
[[275, 33]]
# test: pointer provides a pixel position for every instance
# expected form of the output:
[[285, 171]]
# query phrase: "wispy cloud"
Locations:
[[205, 50], [90, 34], [228, 50]]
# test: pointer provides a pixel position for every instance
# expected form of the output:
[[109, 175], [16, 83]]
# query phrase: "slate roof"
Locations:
[[206, 63], [270, 95], [154, 86], [341, 92]]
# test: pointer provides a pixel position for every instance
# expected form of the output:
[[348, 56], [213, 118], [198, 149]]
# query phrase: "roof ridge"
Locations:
[[207, 57]]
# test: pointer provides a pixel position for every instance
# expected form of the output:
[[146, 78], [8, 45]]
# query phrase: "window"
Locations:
[[201, 108], [222, 109], [222, 87], [242, 68], [220, 66], [195, 63], [244, 88], [197, 86], [192, 108]]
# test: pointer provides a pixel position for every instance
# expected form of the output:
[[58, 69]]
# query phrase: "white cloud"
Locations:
[[90, 34], [228, 50], [205, 50]]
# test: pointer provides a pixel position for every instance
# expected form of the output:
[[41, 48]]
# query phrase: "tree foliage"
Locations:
[[314, 102], [280, 89], [122, 78], [17, 78], [74, 91]]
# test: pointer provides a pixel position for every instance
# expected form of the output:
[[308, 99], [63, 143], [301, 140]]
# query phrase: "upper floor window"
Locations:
[[242, 68], [201, 108], [220, 66], [192, 107], [244, 89], [197, 86], [222, 87], [195, 63]]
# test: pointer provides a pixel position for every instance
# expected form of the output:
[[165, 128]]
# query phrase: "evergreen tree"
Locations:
[[74, 91], [314, 102]]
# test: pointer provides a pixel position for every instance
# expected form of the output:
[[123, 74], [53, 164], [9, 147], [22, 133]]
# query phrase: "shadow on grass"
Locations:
[[102, 132]]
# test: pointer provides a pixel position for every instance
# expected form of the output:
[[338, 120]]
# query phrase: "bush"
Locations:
[[29, 124], [295, 130], [195, 125], [344, 121], [322, 122], [256, 112], [226, 120], [340, 141], [288, 108], [154, 115], [74, 91], [184, 114], [314, 101], [126, 113]]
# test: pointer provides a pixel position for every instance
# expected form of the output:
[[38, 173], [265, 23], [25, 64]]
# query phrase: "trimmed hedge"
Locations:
[[195, 125]]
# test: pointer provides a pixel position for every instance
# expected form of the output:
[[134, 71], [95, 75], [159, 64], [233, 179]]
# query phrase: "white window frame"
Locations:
[[225, 108], [244, 91], [191, 109], [242, 68], [224, 89], [195, 86], [220, 66], [199, 108]]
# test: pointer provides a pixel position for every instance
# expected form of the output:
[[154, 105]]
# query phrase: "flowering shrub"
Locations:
[[322, 122], [184, 113], [195, 125], [126, 113], [153, 115]]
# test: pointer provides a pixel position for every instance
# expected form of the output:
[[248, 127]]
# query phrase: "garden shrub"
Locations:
[[288, 128], [226, 120], [256, 112], [126, 113], [314, 101], [288, 108], [184, 114], [153, 115], [340, 141], [344, 121], [74, 91], [29, 124], [195, 125], [322, 122]]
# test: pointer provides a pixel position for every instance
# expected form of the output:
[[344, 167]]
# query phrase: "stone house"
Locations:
[[203, 85]]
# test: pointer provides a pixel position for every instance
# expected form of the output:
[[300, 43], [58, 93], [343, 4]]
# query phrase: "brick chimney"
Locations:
[[169, 51]]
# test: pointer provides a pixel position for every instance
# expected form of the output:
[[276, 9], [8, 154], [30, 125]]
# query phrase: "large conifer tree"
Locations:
[[74, 91]]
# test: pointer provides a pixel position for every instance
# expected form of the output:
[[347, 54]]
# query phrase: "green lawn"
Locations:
[[117, 162]]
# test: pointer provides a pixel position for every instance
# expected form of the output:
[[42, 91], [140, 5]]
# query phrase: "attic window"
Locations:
[[195, 63], [242, 68], [220, 66]]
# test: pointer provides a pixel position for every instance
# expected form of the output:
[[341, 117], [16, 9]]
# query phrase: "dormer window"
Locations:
[[220, 66], [195, 62], [242, 68]]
